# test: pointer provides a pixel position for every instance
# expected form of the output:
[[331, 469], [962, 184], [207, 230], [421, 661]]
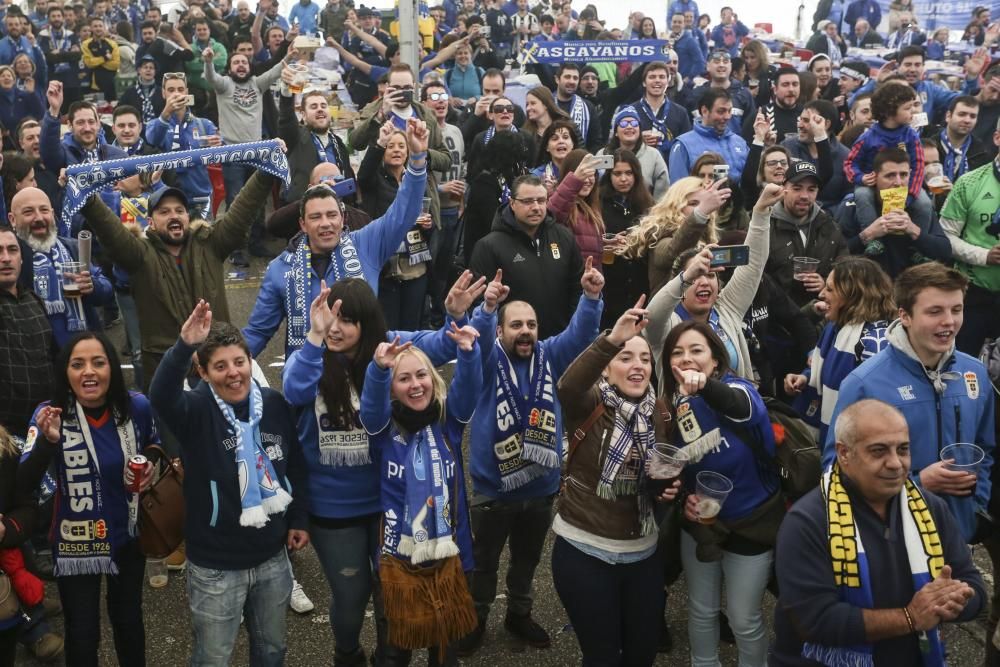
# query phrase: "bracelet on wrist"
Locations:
[[909, 620], [684, 282]]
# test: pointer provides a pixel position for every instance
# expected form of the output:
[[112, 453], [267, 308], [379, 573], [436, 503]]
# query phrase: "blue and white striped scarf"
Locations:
[[48, 285], [344, 263], [260, 490], [425, 533], [579, 113], [83, 180]]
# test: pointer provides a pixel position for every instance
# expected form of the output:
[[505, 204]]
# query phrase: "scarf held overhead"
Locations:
[[524, 440], [84, 538], [852, 575], [83, 180]]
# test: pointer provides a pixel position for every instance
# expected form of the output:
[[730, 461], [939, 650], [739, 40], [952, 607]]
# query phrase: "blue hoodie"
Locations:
[[376, 413], [962, 412], [174, 136], [375, 243], [343, 491], [690, 58], [561, 350], [689, 147]]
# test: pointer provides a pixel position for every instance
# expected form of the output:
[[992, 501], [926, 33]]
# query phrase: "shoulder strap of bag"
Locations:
[[581, 431]]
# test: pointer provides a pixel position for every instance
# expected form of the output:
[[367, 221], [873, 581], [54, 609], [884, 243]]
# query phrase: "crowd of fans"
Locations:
[[665, 286]]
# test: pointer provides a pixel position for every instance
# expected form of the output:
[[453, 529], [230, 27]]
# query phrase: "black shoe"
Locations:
[[239, 259], [726, 632], [471, 642], [525, 628], [355, 659], [666, 643]]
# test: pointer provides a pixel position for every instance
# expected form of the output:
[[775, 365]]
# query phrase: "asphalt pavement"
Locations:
[[310, 641]]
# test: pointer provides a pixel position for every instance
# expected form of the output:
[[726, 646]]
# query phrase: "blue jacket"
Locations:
[[743, 103], [212, 497], [935, 98], [465, 83], [963, 413], [935, 50], [21, 104], [690, 58], [171, 136], [57, 154], [9, 51], [689, 146], [863, 9], [681, 6], [343, 491], [306, 17], [376, 242], [561, 350], [376, 414], [673, 116], [738, 30]]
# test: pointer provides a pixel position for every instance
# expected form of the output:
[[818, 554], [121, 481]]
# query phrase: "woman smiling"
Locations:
[[90, 430]]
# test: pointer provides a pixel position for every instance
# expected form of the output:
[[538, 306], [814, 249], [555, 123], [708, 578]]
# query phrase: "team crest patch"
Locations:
[[690, 428], [971, 385], [906, 393], [554, 247]]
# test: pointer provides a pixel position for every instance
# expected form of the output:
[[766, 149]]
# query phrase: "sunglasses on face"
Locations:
[[628, 122], [721, 56], [438, 97], [503, 108], [776, 163]]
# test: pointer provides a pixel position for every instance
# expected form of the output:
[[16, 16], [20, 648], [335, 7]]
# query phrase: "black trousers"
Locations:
[[81, 600]]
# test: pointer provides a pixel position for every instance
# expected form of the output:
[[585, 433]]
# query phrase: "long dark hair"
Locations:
[[340, 372], [508, 154], [558, 124], [117, 399], [639, 198], [715, 345]]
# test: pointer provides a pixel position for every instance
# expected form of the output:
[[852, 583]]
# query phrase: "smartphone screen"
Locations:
[[730, 255]]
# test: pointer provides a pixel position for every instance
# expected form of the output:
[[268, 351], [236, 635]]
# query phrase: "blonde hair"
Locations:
[[8, 446], [440, 388], [666, 216]]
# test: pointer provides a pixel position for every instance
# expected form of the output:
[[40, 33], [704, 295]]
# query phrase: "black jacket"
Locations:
[[302, 155], [131, 98], [545, 271], [977, 155], [823, 242], [818, 43], [785, 121], [215, 538], [476, 149], [624, 279]]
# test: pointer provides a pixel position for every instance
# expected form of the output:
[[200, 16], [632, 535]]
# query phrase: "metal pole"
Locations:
[[410, 50]]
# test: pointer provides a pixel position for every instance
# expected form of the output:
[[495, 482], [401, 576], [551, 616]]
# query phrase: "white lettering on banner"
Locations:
[[76, 459]]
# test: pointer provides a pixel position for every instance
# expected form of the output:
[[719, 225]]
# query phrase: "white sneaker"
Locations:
[[300, 602]]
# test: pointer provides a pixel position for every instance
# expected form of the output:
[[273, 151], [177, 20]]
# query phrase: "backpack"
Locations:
[[797, 460]]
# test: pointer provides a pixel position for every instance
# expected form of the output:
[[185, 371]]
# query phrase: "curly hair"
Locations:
[[666, 217], [889, 97]]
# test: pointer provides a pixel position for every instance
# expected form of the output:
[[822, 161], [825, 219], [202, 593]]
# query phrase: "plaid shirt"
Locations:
[[26, 349]]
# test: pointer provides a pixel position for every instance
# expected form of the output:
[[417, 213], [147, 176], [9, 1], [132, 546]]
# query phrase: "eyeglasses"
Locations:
[[776, 163], [628, 122], [721, 55], [531, 201], [503, 108], [175, 75], [438, 97]]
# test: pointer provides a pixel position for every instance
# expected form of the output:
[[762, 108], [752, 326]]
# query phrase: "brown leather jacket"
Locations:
[[580, 506]]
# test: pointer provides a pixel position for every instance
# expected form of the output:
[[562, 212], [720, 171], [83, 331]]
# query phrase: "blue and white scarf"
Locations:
[[623, 470], [492, 130], [658, 121], [425, 533], [260, 491], [525, 440], [83, 180], [853, 576], [48, 285], [344, 263], [82, 522], [341, 445], [415, 247], [839, 351], [579, 113], [134, 149], [323, 153], [145, 95], [955, 161], [62, 41]]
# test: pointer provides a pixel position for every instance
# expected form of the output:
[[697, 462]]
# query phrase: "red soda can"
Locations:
[[137, 464]]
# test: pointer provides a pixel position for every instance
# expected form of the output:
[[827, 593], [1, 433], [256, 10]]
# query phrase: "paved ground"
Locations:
[[310, 641]]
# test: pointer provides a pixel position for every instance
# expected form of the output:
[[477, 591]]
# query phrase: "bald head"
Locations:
[[323, 171], [873, 450], [860, 419], [32, 218]]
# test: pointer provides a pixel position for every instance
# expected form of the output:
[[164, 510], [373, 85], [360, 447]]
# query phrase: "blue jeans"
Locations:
[[217, 599], [345, 554], [746, 579]]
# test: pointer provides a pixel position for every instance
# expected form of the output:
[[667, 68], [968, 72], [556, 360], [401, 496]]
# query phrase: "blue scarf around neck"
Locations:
[[48, 285]]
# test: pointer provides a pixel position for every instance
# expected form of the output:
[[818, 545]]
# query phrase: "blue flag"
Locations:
[[595, 51]]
